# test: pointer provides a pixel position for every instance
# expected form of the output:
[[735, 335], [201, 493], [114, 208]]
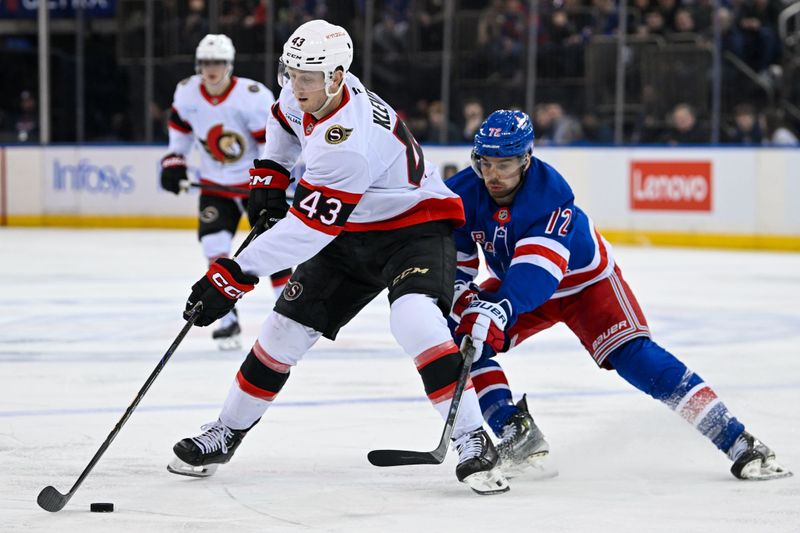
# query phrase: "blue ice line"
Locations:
[[353, 401]]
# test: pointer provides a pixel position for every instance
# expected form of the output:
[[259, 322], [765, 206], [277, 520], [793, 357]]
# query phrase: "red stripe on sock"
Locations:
[[432, 354], [446, 392], [252, 390], [269, 361], [697, 403]]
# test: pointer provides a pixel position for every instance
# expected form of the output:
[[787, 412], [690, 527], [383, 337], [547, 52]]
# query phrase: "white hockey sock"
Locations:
[[241, 410], [469, 413]]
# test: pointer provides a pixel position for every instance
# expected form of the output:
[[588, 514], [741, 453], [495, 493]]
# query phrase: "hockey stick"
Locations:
[[435, 457], [49, 498], [186, 185]]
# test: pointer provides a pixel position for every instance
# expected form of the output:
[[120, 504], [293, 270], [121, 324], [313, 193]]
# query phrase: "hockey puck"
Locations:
[[102, 507]]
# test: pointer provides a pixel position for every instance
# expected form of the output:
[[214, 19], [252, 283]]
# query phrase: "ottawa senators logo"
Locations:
[[337, 134], [223, 146], [209, 214], [292, 291]]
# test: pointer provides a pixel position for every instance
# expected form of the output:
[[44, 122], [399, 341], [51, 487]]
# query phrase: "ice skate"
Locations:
[[753, 460], [200, 456], [228, 334], [522, 447], [477, 463]]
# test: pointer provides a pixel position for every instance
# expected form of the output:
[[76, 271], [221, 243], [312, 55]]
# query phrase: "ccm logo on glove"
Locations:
[[228, 287]]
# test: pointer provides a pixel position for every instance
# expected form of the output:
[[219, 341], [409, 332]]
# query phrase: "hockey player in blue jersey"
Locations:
[[549, 264]]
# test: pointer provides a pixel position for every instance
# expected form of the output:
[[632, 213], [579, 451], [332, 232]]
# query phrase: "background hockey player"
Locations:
[[549, 264], [227, 116], [368, 214]]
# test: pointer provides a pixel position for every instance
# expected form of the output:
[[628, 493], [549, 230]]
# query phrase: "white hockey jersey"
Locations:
[[364, 172], [229, 128]]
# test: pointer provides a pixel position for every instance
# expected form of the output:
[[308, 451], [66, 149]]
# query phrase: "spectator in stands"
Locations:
[[436, 124], [502, 33], [553, 126], [653, 24], [776, 132], [417, 120], [430, 19], [449, 170], [566, 128], [194, 27], [561, 51], [684, 127], [474, 116], [702, 13], [684, 22], [732, 38], [390, 46], [668, 8], [543, 125], [758, 21], [605, 17], [595, 131], [745, 129], [26, 123]]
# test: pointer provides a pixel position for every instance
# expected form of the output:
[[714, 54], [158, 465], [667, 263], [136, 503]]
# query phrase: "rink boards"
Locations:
[[718, 197]]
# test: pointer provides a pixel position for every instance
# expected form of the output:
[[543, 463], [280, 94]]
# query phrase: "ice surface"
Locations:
[[86, 315]]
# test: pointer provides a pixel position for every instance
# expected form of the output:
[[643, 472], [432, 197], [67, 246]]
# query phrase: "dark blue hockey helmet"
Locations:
[[504, 134]]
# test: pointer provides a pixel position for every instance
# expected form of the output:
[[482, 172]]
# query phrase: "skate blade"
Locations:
[[488, 483], [185, 469], [229, 343], [758, 471], [535, 466]]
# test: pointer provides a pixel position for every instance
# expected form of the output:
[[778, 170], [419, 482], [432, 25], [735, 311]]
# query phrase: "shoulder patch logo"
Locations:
[[253, 88], [337, 134], [184, 81]]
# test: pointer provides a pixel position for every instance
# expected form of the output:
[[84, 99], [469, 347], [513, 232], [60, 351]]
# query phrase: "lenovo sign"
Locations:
[[671, 185]]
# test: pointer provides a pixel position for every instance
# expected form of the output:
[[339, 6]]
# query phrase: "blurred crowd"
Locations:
[[490, 54]]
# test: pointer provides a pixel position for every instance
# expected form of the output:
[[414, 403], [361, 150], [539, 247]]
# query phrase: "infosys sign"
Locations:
[[670, 185]]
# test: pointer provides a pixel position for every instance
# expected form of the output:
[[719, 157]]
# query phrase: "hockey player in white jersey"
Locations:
[[226, 116], [368, 214]]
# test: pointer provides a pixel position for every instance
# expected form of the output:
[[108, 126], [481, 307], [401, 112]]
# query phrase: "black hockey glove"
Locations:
[[219, 290], [268, 184], [173, 171]]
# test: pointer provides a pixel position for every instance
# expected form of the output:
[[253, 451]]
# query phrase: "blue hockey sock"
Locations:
[[494, 394], [656, 372]]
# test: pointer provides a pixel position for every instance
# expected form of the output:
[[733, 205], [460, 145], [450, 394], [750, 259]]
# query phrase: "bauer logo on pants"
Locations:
[[292, 291]]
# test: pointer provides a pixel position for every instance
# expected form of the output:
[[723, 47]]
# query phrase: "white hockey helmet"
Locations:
[[215, 47], [317, 46]]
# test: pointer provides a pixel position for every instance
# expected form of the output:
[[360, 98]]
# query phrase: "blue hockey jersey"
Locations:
[[542, 246]]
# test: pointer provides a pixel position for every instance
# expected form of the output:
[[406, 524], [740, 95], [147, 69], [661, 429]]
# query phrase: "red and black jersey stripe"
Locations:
[[260, 136], [281, 118], [322, 208], [176, 122]]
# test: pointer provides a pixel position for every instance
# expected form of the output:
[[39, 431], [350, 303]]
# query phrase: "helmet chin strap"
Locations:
[[330, 97]]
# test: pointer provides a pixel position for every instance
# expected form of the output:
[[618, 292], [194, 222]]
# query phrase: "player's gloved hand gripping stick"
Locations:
[[49, 498], [408, 457]]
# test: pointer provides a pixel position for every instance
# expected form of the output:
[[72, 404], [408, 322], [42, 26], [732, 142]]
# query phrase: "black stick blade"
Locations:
[[403, 457], [51, 500]]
